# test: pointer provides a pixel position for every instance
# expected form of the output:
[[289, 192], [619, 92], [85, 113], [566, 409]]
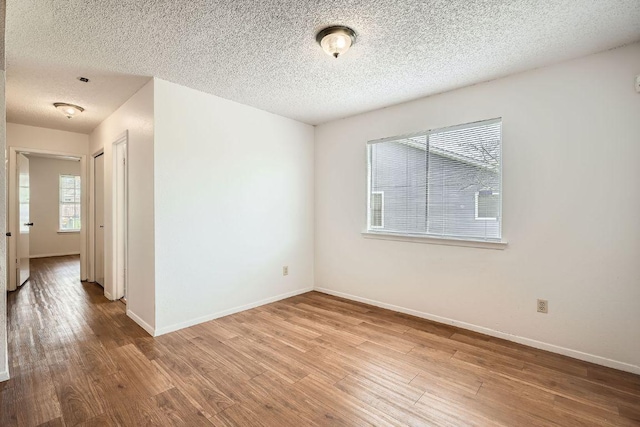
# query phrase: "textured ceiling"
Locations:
[[32, 90], [263, 53]]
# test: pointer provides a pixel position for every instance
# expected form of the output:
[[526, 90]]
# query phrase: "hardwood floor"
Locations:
[[76, 359]]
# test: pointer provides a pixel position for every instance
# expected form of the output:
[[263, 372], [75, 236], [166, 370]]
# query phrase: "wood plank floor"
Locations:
[[311, 360]]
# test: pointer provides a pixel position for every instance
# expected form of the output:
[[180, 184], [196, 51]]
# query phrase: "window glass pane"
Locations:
[[398, 169], [68, 209], [67, 195], [67, 181], [488, 205]]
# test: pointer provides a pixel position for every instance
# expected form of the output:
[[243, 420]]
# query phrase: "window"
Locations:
[[377, 209], [440, 183], [69, 203]]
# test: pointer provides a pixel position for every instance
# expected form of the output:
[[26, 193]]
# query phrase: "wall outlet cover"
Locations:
[[543, 306]]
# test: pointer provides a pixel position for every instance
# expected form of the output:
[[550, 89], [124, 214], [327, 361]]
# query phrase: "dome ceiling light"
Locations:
[[336, 40], [68, 110]]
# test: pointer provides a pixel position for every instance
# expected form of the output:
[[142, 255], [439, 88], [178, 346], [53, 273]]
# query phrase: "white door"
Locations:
[[99, 218], [23, 217]]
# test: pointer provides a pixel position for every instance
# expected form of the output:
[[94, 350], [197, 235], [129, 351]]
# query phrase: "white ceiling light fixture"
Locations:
[[69, 110], [336, 40]]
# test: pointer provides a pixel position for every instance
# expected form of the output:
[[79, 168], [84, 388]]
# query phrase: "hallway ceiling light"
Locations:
[[336, 40], [68, 110]]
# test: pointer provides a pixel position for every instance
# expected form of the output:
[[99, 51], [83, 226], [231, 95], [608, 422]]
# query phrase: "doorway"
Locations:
[[109, 219], [46, 207]]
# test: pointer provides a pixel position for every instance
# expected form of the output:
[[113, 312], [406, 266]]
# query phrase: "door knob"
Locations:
[[102, 226], [28, 224]]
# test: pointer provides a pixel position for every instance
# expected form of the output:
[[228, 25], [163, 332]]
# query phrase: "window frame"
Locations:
[[377, 233], [61, 202]]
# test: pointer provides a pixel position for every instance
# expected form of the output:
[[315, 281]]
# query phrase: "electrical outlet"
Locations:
[[285, 270], [638, 83], [543, 306]]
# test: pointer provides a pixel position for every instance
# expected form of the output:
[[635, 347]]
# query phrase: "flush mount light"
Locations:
[[68, 110], [336, 40]]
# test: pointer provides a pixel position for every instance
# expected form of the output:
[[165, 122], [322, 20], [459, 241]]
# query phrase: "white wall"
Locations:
[[136, 117], [233, 205], [38, 138], [44, 238], [571, 145]]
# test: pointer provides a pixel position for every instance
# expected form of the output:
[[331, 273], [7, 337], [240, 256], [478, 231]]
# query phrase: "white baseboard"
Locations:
[[587, 357], [144, 325], [53, 255], [202, 319]]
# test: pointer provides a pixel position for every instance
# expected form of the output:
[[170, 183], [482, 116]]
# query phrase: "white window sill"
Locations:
[[418, 238], [68, 231]]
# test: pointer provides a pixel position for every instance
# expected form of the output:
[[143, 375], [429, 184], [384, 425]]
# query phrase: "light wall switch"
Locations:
[[285, 270], [638, 83]]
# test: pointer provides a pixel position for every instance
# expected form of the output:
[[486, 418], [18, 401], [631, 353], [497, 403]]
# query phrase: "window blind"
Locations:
[[444, 182], [377, 213]]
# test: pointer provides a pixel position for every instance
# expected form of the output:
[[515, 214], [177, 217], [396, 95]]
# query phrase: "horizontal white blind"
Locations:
[[442, 183], [377, 200]]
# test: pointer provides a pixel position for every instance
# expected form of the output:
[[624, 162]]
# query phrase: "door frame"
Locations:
[[119, 227], [12, 206], [92, 215], [111, 291]]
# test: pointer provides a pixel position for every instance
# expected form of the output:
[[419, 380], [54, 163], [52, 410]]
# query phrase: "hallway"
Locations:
[[69, 349]]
